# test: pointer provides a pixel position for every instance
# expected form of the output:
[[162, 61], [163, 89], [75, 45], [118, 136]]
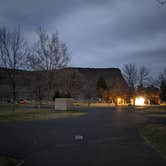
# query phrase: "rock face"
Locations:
[[113, 76], [116, 85], [105, 72]]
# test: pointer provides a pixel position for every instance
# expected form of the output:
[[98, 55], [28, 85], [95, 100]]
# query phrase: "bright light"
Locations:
[[118, 99], [139, 101]]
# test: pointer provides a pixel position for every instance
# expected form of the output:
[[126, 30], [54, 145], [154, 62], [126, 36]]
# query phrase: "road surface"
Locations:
[[105, 136]]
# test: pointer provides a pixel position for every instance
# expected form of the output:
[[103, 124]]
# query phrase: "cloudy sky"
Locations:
[[99, 33]]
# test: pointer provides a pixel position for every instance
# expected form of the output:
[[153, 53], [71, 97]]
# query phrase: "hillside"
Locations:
[[111, 75], [24, 79]]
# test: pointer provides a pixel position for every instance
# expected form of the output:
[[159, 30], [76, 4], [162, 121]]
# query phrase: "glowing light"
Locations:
[[139, 101], [118, 99]]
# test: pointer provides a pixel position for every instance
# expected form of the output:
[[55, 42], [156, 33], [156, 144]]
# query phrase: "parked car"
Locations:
[[21, 101]]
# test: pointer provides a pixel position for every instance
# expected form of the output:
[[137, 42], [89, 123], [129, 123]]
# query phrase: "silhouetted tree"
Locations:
[[163, 90], [48, 54], [143, 76], [12, 55], [162, 79], [69, 82], [131, 76], [89, 90], [101, 85], [56, 95], [39, 86]]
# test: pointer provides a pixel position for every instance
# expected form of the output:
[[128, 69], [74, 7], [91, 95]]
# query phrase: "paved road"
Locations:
[[109, 138]]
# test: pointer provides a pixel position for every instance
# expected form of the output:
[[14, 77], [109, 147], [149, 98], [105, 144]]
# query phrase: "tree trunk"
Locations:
[[14, 97], [39, 106]]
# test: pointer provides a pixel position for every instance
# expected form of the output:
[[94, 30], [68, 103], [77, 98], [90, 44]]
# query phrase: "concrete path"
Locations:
[[109, 138]]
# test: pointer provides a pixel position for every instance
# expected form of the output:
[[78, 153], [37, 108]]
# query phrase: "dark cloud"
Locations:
[[98, 33], [35, 12]]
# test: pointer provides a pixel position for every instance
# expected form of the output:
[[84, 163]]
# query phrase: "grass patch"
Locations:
[[155, 135], [151, 109], [158, 112], [29, 114], [37, 115], [156, 115], [7, 161], [151, 126]]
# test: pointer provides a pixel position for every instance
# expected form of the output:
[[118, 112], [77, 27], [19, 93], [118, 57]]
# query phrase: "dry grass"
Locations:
[[155, 135], [7, 161], [29, 114]]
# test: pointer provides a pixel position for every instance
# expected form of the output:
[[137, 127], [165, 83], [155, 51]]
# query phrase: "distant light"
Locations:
[[119, 99], [139, 101]]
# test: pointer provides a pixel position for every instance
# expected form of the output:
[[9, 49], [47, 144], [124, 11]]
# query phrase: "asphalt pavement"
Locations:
[[103, 137]]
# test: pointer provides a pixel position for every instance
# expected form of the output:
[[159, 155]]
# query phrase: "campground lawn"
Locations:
[[152, 127], [23, 113]]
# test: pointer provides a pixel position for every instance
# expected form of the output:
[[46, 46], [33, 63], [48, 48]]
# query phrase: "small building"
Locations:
[[63, 104]]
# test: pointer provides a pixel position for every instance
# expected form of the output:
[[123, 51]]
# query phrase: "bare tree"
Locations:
[[38, 86], [69, 82], [131, 77], [88, 89], [143, 76], [12, 55], [162, 85], [130, 74], [156, 82], [162, 75], [49, 54]]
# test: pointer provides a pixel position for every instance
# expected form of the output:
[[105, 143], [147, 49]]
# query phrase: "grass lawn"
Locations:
[[152, 127], [7, 161], [155, 134], [27, 114]]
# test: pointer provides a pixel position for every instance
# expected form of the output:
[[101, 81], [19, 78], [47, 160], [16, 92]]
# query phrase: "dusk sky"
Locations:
[[98, 33]]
